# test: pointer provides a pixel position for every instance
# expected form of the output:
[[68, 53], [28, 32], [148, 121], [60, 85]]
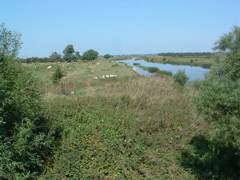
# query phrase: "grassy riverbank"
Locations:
[[122, 128], [204, 62], [153, 70], [126, 127]]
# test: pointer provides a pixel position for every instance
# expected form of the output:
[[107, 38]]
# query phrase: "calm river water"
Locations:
[[192, 72]]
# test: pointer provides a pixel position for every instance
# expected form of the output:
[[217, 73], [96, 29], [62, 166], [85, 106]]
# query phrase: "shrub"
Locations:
[[218, 101], [25, 139], [135, 64], [219, 97], [90, 55], [57, 75], [153, 69], [168, 73], [106, 56], [180, 77]]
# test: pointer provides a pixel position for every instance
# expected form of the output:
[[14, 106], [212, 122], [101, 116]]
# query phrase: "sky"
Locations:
[[119, 27]]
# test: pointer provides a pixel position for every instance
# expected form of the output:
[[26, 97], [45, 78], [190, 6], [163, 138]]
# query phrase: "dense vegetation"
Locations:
[[78, 125], [26, 139], [217, 155]]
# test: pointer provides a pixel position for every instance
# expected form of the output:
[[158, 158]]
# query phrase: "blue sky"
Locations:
[[119, 26]]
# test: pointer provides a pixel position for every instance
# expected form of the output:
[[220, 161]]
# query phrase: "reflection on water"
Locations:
[[192, 72]]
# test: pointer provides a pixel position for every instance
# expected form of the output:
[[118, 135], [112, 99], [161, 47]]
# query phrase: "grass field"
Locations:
[[82, 70], [126, 127]]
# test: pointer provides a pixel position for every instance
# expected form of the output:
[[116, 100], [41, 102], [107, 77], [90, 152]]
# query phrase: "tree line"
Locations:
[[69, 55], [191, 54]]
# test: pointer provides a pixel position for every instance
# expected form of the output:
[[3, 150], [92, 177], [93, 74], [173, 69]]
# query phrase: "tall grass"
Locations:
[[122, 128]]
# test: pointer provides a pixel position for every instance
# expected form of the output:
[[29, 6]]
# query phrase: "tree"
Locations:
[[217, 155], [219, 96], [77, 54], [69, 49], [9, 42], [229, 54], [68, 53], [55, 56], [90, 55], [25, 138], [107, 56]]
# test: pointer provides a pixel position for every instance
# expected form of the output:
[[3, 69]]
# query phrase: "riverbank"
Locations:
[[205, 62], [123, 127]]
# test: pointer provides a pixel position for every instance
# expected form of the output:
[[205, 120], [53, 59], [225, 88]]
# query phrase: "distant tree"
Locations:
[[55, 56], [69, 49], [107, 56], [69, 53], [90, 55], [77, 54]]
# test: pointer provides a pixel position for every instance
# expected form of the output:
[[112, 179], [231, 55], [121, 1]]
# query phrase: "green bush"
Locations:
[[219, 96], [90, 55], [152, 69], [168, 73], [180, 77], [26, 140], [57, 75], [218, 101], [106, 56], [136, 64]]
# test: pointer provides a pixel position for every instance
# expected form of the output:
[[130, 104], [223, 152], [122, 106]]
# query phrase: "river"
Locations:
[[192, 72]]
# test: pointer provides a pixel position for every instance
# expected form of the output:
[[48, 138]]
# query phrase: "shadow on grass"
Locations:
[[210, 159]]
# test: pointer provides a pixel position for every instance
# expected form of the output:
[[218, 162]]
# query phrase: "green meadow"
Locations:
[[123, 127]]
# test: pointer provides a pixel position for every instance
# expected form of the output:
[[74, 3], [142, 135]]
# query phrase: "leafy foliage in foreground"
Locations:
[[219, 97], [122, 131], [218, 101], [211, 158], [26, 140]]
